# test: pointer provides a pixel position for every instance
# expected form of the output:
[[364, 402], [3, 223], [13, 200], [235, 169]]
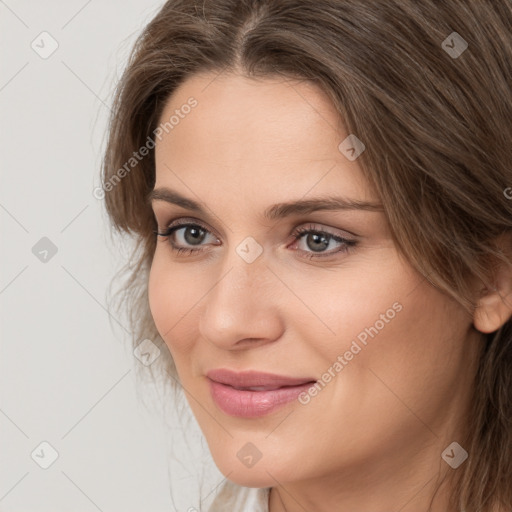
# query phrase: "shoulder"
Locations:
[[240, 499]]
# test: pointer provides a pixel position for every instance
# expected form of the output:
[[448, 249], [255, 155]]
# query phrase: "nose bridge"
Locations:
[[244, 270], [241, 304]]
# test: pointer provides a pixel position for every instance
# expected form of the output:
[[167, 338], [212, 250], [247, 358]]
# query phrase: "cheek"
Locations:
[[362, 309], [170, 299], [421, 348], [175, 295], [395, 332], [157, 296]]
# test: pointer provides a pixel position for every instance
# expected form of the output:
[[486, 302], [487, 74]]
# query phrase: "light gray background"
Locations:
[[67, 376]]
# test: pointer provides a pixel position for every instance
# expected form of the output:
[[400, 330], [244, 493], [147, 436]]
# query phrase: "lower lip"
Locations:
[[252, 404]]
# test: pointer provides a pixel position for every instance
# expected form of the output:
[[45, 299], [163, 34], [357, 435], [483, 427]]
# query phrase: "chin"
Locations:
[[249, 477], [260, 474]]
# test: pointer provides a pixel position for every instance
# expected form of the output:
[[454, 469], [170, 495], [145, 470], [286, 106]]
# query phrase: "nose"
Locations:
[[242, 310]]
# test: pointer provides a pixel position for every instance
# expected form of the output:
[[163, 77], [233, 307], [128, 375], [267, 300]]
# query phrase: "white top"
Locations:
[[235, 498]]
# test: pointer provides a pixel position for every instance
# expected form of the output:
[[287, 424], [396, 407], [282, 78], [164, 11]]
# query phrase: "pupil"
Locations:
[[197, 235], [321, 240]]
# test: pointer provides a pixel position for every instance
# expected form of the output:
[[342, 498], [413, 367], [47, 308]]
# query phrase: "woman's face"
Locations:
[[391, 354]]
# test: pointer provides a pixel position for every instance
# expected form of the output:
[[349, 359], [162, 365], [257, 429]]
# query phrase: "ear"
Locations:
[[494, 307]]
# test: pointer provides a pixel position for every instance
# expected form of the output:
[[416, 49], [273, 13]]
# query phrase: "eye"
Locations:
[[183, 233], [317, 241], [188, 237]]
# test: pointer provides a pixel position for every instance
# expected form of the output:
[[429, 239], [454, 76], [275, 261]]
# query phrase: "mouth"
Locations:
[[261, 388], [252, 394], [254, 379]]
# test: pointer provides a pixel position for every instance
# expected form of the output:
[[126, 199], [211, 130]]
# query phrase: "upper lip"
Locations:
[[254, 378]]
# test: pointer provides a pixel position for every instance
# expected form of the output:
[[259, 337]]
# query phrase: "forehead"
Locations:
[[254, 112], [254, 133]]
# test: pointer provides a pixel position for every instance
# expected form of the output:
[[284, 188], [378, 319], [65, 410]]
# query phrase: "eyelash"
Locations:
[[297, 234]]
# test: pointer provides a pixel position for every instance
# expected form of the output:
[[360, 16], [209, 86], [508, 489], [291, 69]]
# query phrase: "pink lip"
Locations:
[[228, 390]]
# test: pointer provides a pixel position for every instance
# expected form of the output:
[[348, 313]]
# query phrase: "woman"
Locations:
[[318, 191]]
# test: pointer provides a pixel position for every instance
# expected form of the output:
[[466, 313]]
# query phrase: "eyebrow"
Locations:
[[276, 211]]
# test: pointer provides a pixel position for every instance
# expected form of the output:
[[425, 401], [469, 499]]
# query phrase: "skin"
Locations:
[[372, 437]]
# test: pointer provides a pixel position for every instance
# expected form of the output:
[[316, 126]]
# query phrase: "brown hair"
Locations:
[[437, 126]]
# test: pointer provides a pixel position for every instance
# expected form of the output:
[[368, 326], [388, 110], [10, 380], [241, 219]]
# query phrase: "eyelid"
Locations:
[[334, 232], [184, 221], [311, 225]]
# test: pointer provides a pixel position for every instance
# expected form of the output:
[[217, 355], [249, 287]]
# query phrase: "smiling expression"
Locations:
[[245, 280]]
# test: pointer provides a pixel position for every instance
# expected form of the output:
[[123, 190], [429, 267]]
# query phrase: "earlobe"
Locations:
[[494, 307], [492, 311]]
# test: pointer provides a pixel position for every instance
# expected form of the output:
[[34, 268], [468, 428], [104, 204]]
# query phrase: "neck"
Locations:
[[392, 486]]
